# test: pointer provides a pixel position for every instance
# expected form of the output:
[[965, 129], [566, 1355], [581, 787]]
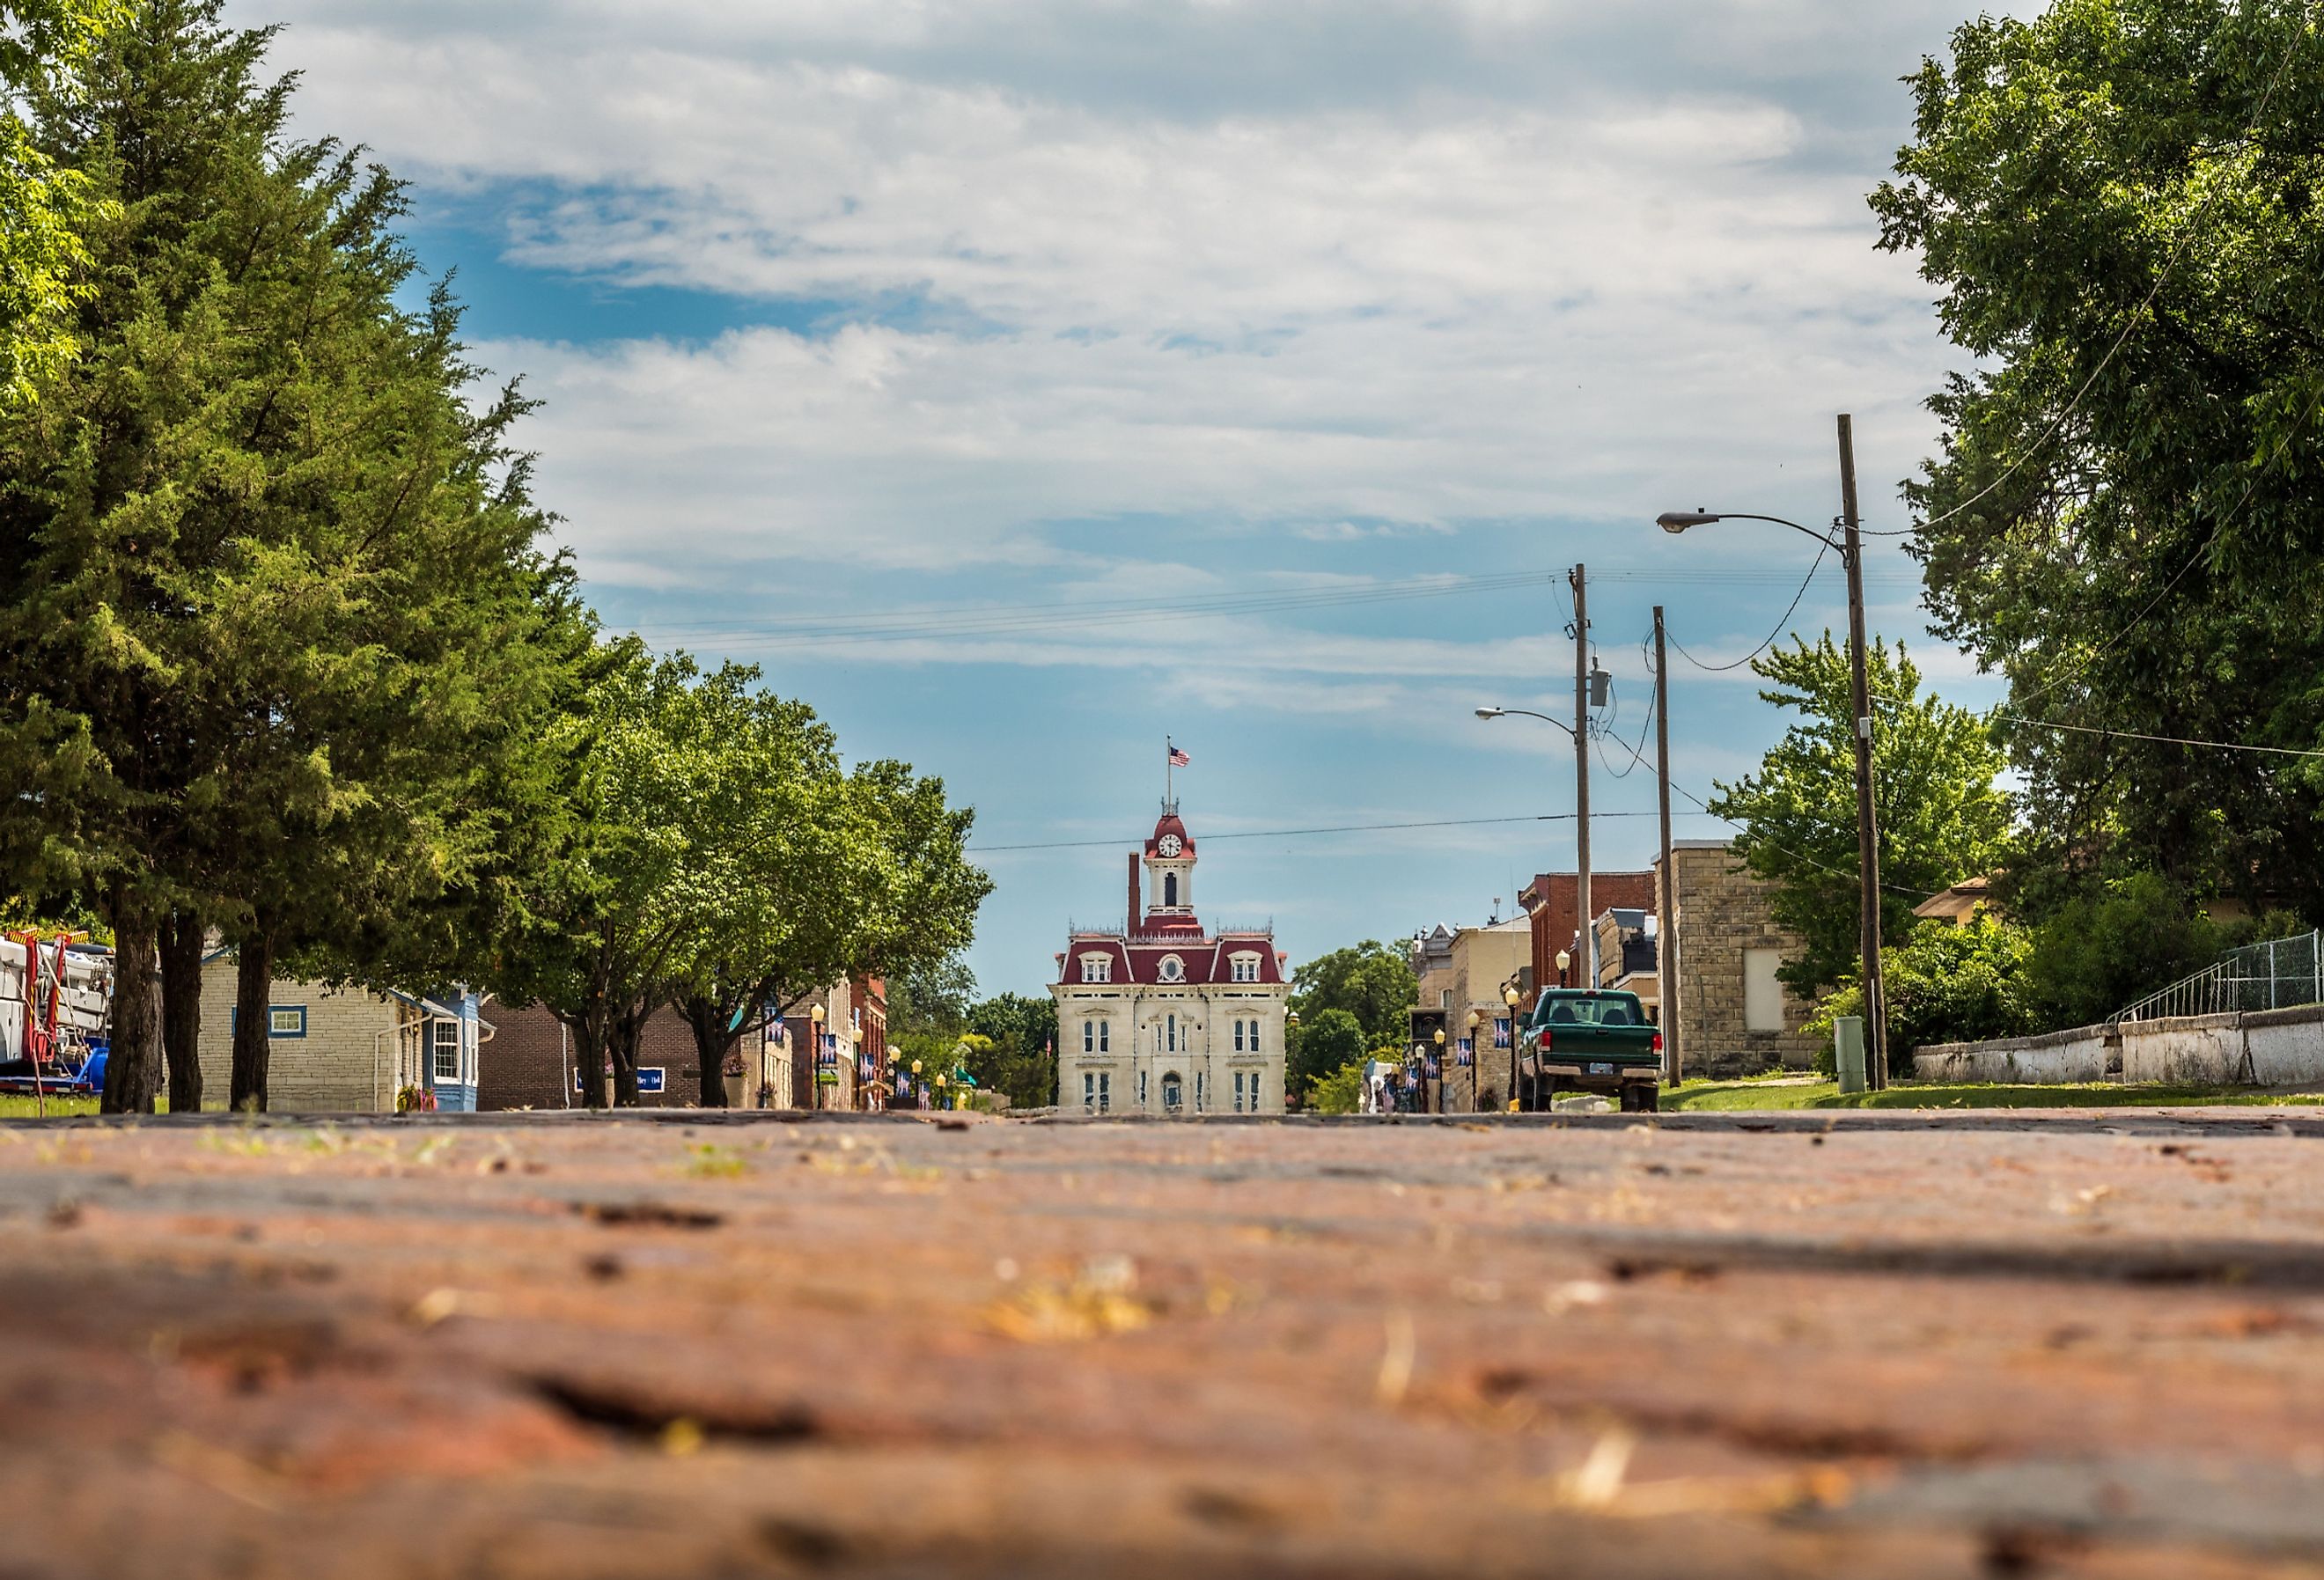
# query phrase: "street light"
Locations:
[[1868, 827], [1476, 1065], [1510, 996], [1490, 713], [1440, 1077], [815, 1059]]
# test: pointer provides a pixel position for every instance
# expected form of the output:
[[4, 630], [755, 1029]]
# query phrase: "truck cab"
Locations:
[[1587, 1039]]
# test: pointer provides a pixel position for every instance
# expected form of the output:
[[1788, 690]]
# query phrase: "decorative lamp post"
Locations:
[[1510, 996], [815, 1054], [1476, 1090]]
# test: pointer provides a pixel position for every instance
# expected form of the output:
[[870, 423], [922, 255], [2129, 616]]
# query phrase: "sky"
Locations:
[[1023, 382]]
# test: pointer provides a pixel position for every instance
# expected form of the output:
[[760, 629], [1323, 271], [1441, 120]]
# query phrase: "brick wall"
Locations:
[[523, 1065], [1554, 904], [1722, 911]]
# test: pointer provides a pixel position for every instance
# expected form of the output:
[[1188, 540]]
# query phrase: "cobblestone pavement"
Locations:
[[1859, 1346]]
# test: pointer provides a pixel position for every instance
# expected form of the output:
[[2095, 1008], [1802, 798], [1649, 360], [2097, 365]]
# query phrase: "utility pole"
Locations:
[[1585, 954], [1868, 827], [1666, 949]]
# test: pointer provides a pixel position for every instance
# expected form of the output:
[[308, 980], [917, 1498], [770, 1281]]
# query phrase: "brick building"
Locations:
[[1551, 902], [1735, 1015], [849, 1068]]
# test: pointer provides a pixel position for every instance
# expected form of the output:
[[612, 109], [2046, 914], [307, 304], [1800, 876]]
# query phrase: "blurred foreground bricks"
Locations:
[[1880, 1346]]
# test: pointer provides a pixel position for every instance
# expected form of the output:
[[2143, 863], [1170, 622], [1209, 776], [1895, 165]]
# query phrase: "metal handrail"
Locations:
[[2230, 985]]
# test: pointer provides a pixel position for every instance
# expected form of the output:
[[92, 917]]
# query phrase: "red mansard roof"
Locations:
[[1205, 959]]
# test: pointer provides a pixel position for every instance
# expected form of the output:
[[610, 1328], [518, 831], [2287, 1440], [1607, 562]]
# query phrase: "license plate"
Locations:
[[1601, 1069]]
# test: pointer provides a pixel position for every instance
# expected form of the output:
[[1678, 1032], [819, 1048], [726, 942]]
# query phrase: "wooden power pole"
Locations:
[[1585, 955], [1867, 824], [1666, 947]]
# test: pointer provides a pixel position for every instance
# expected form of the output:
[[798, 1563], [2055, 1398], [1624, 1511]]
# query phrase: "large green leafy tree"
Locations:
[[43, 206], [2119, 202], [596, 920], [1329, 1040], [1022, 1062], [1942, 817], [795, 874], [1370, 981]]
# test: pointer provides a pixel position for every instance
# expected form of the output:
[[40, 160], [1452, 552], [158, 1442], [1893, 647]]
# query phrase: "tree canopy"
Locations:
[[1370, 981], [1942, 817], [2118, 200]]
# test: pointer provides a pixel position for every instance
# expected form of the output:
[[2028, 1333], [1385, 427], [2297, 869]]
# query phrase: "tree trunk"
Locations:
[[711, 1041], [181, 1010], [132, 1069], [254, 989], [589, 1058], [623, 1045]]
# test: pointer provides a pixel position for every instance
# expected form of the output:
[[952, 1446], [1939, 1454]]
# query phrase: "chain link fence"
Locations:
[[2278, 974]]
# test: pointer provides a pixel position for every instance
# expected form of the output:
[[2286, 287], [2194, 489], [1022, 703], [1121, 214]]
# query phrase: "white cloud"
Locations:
[[1505, 260]]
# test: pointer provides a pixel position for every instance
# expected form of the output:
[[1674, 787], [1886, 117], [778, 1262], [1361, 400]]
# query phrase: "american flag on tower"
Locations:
[[1179, 757]]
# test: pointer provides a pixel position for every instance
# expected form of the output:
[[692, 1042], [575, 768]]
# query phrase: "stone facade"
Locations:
[[1726, 940], [1164, 1017], [1484, 960]]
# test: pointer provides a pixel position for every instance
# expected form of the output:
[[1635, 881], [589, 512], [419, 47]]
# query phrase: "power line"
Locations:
[[1295, 833], [2137, 314], [1772, 635], [2161, 740]]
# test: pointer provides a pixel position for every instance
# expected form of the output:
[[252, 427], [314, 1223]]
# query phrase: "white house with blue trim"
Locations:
[[344, 1051]]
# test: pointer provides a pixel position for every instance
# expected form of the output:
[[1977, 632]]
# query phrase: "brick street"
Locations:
[[1864, 1345]]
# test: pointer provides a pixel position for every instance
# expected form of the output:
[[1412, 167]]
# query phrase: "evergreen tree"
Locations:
[[275, 602]]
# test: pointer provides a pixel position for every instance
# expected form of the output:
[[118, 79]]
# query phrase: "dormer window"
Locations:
[[1097, 969], [1244, 967], [1173, 969]]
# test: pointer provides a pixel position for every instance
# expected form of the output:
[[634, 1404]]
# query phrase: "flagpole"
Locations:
[[1169, 771]]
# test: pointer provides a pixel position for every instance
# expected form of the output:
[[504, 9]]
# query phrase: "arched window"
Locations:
[[1173, 969], [1174, 1093], [1169, 888]]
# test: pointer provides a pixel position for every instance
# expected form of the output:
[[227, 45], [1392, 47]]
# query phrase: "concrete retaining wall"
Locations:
[[2056, 1058], [2270, 1047]]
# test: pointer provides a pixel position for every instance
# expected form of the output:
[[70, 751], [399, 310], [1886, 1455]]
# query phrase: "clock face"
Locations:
[[1168, 845]]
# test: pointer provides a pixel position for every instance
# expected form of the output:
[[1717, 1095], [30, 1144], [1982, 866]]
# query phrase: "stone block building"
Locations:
[[1462, 983], [1735, 1015]]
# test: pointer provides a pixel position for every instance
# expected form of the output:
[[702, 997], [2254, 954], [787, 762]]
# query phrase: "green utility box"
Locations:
[[1848, 1047]]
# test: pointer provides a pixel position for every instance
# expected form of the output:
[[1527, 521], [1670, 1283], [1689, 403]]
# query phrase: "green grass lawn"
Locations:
[[13, 1107], [1730, 1097]]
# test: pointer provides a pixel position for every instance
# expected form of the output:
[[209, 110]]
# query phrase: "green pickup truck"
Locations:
[[1579, 1040]]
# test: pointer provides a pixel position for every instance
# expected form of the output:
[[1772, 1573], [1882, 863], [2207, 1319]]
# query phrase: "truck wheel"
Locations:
[[1649, 1100], [1627, 1100]]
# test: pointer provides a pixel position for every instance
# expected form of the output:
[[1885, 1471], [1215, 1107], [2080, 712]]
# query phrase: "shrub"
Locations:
[[1341, 1092], [2102, 952], [1945, 984]]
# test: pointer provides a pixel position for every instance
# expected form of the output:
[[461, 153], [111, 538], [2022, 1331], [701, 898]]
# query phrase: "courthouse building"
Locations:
[[1162, 1016]]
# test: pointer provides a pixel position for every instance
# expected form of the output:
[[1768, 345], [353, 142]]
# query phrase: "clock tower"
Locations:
[[1160, 1015], [1170, 875]]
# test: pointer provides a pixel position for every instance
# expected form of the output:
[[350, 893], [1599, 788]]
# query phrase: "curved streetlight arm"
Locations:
[[1489, 713], [1678, 521]]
